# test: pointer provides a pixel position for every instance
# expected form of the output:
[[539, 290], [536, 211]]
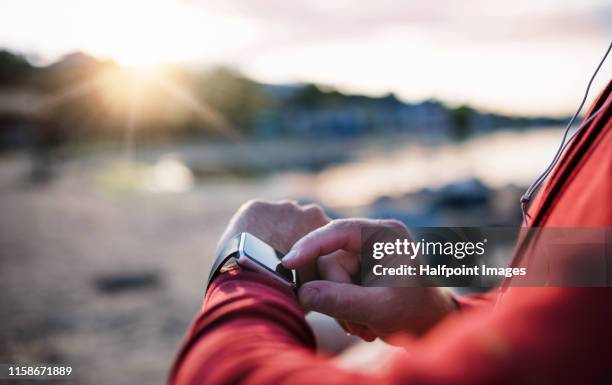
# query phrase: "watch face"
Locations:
[[264, 256]]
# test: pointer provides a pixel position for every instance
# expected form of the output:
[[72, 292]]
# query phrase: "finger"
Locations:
[[344, 326], [341, 234], [342, 301], [360, 330], [316, 211], [336, 235], [354, 329], [348, 261], [331, 269]]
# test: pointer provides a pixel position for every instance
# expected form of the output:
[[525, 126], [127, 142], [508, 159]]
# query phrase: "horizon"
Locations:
[[517, 58], [325, 88]]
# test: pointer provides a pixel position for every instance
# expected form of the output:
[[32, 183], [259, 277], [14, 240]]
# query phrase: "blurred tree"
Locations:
[[70, 70], [14, 68], [311, 96], [461, 118], [237, 98]]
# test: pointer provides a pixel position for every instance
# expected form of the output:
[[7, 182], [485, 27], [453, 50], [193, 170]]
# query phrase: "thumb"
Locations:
[[342, 301]]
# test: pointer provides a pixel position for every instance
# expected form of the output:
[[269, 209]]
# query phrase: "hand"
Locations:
[[369, 312], [279, 224]]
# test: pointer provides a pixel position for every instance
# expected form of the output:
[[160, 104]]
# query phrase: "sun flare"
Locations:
[[132, 58]]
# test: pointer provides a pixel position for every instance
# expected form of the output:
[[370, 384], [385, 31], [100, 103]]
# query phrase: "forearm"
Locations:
[[251, 331]]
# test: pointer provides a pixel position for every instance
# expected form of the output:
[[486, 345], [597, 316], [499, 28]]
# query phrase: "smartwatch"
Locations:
[[251, 253]]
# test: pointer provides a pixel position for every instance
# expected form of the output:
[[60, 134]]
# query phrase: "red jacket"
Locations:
[[252, 331]]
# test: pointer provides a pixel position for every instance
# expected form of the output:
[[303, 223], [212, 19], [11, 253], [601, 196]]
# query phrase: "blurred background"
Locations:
[[130, 131]]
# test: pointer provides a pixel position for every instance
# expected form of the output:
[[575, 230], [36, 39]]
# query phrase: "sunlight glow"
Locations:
[[160, 31], [136, 97], [152, 94], [518, 57], [133, 32], [139, 34]]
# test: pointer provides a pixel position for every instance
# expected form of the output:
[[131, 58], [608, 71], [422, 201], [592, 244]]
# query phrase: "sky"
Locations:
[[520, 56]]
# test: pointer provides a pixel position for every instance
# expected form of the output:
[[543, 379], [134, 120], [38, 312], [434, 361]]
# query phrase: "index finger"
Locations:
[[341, 234]]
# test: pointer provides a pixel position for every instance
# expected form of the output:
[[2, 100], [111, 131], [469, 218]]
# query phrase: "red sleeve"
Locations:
[[476, 301], [251, 331]]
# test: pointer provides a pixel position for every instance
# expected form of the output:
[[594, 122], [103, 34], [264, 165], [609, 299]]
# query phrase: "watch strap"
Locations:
[[229, 250]]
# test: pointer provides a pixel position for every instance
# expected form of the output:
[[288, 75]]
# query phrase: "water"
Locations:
[[498, 160], [349, 173]]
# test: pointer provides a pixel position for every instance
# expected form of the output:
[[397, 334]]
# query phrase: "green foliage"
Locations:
[[311, 96], [236, 97], [13, 68], [460, 118]]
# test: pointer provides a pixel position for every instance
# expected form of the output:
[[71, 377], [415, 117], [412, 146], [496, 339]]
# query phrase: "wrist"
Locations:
[[238, 281], [251, 253], [252, 297]]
